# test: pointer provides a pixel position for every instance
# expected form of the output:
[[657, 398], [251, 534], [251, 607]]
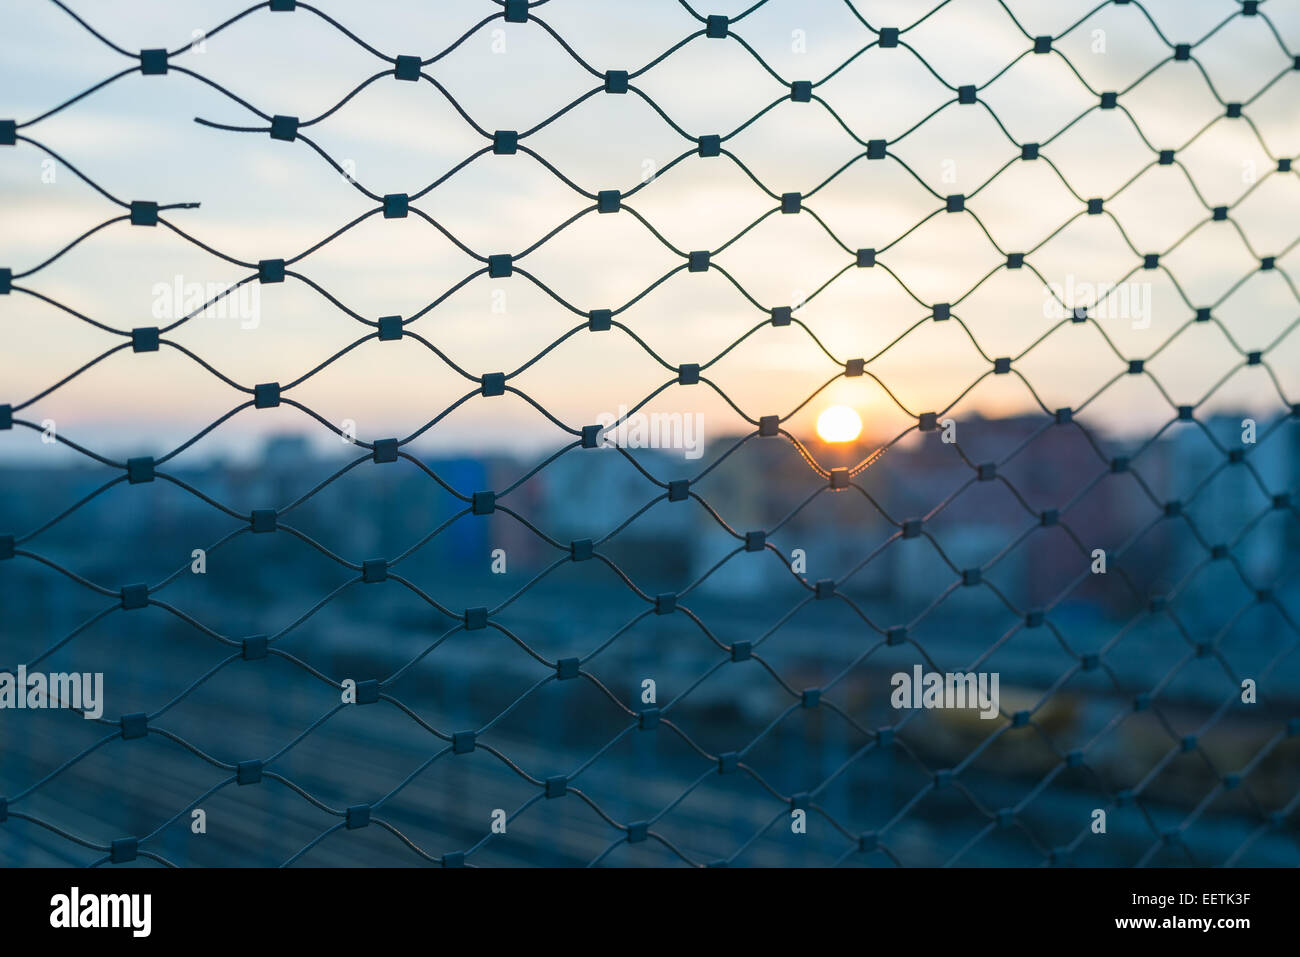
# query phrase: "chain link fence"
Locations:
[[665, 680]]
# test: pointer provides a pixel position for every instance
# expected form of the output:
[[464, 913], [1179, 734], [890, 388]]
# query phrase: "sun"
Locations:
[[839, 423]]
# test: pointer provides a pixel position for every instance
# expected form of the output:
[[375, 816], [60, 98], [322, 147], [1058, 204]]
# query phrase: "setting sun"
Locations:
[[839, 423]]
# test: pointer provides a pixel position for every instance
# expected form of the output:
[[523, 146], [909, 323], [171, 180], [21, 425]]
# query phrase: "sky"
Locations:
[[265, 198]]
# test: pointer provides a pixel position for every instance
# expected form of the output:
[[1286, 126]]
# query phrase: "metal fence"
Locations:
[[1232, 801]]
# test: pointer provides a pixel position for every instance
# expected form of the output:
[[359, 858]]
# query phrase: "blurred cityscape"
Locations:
[[1199, 593]]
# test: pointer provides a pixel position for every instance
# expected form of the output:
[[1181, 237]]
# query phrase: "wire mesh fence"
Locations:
[[691, 694]]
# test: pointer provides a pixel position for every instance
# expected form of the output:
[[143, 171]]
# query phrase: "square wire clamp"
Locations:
[[505, 142], [710, 145], [284, 127], [153, 62], [263, 520], [270, 270], [407, 68], [134, 725], [715, 27], [609, 201], [144, 213], [616, 81], [140, 469], [144, 339], [134, 597], [390, 328], [396, 206], [8, 132], [266, 395]]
